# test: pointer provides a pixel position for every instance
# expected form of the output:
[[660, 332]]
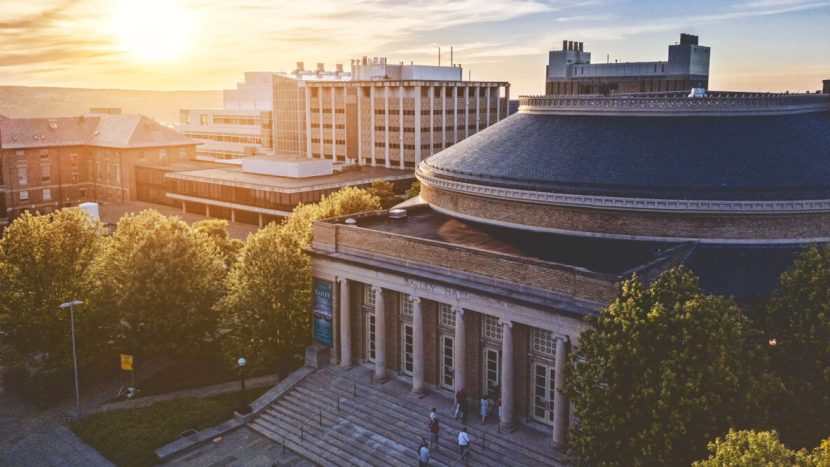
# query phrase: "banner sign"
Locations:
[[126, 362], [323, 299], [322, 332]]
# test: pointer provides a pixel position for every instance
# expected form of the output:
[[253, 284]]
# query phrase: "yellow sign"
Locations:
[[126, 362]]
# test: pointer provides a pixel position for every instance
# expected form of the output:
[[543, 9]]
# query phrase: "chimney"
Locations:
[[321, 67], [339, 67], [580, 46], [564, 45], [826, 89], [570, 45], [300, 66]]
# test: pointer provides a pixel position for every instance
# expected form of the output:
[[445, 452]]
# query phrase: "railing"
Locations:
[[720, 103]]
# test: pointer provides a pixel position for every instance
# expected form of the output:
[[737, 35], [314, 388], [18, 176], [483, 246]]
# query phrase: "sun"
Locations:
[[153, 31]]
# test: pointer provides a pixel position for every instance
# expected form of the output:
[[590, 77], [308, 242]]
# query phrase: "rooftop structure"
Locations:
[[570, 71], [523, 229]]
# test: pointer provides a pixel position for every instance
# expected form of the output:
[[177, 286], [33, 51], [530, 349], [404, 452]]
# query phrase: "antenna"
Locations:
[[452, 63]]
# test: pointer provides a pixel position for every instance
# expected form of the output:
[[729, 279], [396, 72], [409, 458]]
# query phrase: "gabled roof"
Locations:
[[114, 131], [135, 131]]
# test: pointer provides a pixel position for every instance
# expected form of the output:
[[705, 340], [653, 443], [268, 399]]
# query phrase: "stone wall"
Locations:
[[619, 223]]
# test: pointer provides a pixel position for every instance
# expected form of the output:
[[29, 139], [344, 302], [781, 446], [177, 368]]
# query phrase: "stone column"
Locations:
[[417, 346], [498, 103], [372, 124], [459, 359], [507, 420], [418, 125], [455, 114], [320, 132], [560, 400], [380, 335], [487, 98], [345, 325], [333, 127], [467, 111], [359, 125], [443, 117], [431, 120], [400, 128], [386, 163]]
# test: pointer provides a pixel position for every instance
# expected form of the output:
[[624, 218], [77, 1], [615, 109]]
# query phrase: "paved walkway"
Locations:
[[241, 447], [204, 391]]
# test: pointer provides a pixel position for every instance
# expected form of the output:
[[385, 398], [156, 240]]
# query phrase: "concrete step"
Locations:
[[399, 425], [352, 437], [502, 448], [312, 438], [355, 426]]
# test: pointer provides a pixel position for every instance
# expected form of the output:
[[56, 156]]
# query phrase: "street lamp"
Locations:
[[71, 305], [243, 407]]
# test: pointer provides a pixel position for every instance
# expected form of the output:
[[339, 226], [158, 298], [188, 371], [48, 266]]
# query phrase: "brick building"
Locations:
[[520, 232], [50, 163]]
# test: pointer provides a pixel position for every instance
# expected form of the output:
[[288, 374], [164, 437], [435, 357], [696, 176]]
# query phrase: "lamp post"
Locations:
[[243, 407], [71, 306]]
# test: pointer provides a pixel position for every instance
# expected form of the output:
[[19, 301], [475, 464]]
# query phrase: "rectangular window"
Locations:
[[203, 119], [44, 154], [447, 362], [370, 337], [543, 342], [83, 193], [447, 315], [47, 194], [24, 195], [368, 296], [406, 305], [492, 328], [45, 173], [22, 175], [407, 347], [492, 371]]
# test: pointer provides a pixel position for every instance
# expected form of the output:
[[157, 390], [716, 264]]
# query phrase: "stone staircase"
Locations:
[[376, 427]]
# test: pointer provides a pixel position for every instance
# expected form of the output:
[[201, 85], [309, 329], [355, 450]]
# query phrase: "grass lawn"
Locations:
[[129, 437]]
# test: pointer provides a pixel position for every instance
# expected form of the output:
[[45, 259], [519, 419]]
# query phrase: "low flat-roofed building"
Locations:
[[257, 190]]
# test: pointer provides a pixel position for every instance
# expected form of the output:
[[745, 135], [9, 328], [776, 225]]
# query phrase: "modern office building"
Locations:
[[50, 163], [254, 190], [526, 228], [377, 113], [242, 127], [571, 72]]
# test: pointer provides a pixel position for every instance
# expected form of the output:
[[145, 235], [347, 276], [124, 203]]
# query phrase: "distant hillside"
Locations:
[[24, 101]]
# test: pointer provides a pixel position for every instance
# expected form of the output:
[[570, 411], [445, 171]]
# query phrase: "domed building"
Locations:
[[524, 229]]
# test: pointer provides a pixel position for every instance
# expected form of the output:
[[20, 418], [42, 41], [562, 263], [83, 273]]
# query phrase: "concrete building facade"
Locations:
[[571, 72]]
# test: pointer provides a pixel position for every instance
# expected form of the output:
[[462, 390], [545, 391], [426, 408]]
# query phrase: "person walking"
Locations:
[[464, 407], [433, 415], [484, 408], [434, 431], [423, 454], [458, 396], [498, 407], [464, 445]]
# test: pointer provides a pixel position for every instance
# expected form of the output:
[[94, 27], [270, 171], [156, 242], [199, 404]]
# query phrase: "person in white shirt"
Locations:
[[433, 415], [423, 454], [464, 444]]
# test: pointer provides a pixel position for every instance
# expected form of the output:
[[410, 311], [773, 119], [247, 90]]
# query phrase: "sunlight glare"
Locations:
[[153, 31]]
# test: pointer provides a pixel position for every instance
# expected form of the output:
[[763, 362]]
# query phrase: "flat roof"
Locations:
[[234, 176], [615, 257]]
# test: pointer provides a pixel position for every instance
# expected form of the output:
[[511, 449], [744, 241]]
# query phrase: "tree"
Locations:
[[268, 304], [413, 190], [798, 318], [662, 370], [754, 449], [43, 261], [217, 230], [155, 283], [385, 191]]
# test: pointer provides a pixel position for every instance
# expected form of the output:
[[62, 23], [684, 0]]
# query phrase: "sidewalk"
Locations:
[[204, 391]]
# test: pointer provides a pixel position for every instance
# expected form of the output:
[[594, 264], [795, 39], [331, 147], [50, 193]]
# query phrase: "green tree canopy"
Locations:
[[385, 191], [662, 370], [43, 261], [217, 230], [155, 284], [755, 449], [268, 304], [413, 190], [798, 318]]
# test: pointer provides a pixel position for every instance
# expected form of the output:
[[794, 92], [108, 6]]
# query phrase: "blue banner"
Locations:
[[323, 299], [322, 332]]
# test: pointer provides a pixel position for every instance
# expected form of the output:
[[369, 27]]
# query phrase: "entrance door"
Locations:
[[407, 350], [492, 372], [446, 377], [542, 393]]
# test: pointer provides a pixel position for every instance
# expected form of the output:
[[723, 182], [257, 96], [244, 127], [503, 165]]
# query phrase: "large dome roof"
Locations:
[[727, 168], [760, 157]]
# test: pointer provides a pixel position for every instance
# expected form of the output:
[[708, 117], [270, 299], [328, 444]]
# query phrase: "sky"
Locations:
[[757, 45]]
